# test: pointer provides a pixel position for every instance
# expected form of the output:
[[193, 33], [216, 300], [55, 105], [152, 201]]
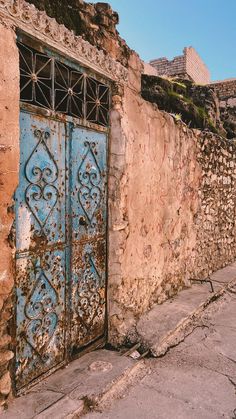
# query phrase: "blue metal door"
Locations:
[[40, 246], [60, 243], [88, 250]]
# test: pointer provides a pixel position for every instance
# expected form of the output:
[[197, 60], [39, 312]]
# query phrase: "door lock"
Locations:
[[82, 221]]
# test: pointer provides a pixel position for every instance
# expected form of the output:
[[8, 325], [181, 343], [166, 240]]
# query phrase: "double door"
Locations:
[[61, 221]]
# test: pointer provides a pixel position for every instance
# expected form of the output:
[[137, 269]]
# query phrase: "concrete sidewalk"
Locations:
[[164, 326], [84, 383], [194, 380], [188, 382]]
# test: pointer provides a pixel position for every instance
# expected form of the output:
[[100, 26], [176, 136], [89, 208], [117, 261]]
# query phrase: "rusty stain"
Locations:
[[4, 148]]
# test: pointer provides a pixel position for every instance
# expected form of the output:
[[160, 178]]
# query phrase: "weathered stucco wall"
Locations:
[[174, 193], [155, 195], [9, 152]]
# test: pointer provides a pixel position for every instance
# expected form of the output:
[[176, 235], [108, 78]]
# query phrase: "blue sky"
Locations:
[[157, 28]]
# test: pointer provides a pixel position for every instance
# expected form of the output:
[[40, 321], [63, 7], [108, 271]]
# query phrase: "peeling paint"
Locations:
[[24, 232]]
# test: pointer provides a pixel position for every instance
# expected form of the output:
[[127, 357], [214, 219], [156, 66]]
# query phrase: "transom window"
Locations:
[[48, 83]]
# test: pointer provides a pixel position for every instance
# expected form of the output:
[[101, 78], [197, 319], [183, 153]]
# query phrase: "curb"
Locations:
[[187, 325]]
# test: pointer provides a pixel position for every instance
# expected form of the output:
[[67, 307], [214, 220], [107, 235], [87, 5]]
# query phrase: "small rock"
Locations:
[[135, 355]]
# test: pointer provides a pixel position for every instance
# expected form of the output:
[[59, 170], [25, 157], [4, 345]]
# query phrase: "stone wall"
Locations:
[[172, 207], [9, 153], [225, 88], [165, 67], [189, 65], [195, 67], [149, 70], [226, 92], [215, 221]]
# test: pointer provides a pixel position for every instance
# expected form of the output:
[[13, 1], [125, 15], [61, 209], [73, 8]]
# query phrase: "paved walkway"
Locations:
[[194, 380]]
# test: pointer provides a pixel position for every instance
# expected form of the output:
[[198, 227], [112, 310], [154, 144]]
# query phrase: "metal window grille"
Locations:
[[50, 84]]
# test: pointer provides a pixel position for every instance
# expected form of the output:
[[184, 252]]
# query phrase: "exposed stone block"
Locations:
[[5, 341], [5, 384], [5, 356]]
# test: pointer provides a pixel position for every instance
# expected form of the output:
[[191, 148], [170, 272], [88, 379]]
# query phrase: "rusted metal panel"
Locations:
[[40, 198], [88, 167], [88, 294], [40, 245], [61, 219], [88, 249], [40, 314]]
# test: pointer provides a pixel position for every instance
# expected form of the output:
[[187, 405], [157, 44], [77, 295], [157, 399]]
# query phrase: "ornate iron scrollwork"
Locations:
[[97, 102], [91, 297], [90, 179], [35, 77], [69, 90], [48, 83], [40, 311], [41, 172]]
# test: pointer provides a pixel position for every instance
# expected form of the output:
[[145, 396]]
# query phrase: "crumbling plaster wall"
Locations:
[[9, 154], [172, 206], [154, 199]]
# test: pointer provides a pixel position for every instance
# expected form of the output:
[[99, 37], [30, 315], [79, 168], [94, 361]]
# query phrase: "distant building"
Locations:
[[189, 65]]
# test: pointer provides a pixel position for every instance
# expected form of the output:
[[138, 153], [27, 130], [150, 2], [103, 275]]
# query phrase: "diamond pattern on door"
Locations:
[[88, 252], [60, 244]]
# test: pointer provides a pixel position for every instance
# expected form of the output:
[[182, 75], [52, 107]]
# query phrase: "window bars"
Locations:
[[51, 84]]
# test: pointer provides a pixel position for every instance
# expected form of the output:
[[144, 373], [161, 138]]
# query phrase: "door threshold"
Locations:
[[94, 380], [98, 343]]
